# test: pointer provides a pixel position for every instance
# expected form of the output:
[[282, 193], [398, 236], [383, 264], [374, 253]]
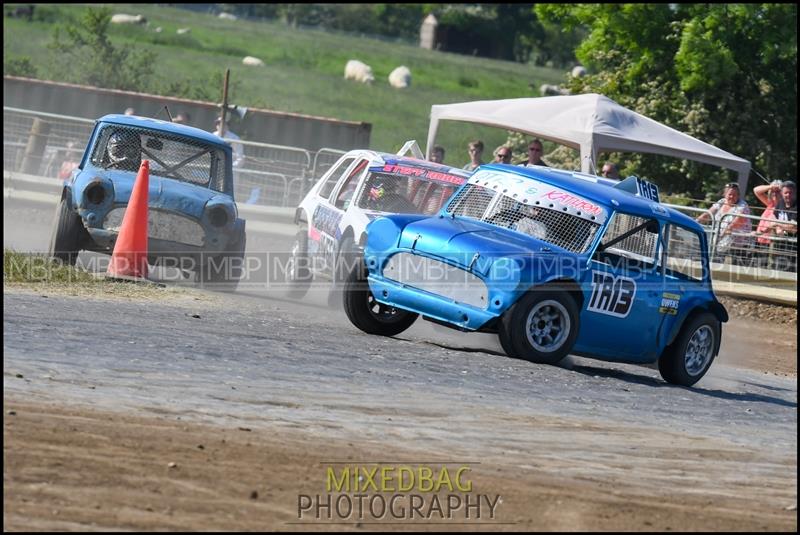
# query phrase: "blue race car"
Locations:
[[193, 219], [552, 261]]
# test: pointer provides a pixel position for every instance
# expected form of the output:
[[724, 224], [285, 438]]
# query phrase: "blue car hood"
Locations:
[[166, 193], [457, 240]]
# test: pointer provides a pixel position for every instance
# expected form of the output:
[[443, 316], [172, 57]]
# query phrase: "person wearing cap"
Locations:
[[734, 231], [226, 134]]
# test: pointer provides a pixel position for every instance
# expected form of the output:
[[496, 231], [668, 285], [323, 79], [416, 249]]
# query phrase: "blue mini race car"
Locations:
[[193, 219], [552, 261]]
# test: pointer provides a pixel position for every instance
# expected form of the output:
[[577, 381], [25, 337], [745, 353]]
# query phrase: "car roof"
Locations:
[[389, 158], [164, 126], [600, 190]]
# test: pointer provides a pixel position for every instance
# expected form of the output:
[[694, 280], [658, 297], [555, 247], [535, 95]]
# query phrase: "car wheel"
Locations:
[[67, 234], [688, 358], [347, 258], [298, 276], [366, 313], [541, 327]]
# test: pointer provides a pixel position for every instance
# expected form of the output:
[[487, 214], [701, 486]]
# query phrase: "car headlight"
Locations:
[[218, 216]]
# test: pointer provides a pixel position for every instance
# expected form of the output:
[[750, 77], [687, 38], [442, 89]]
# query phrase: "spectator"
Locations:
[[502, 154], [181, 118], [437, 154], [786, 209], [734, 231], [475, 149], [130, 111], [768, 194], [225, 133], [70, 163], [535, 150], [610, 170]]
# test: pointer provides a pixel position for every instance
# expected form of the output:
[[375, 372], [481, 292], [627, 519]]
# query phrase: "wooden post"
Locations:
[[34, 150], [224, 112]]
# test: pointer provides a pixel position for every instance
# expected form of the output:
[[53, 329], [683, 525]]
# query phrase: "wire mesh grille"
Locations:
[[641, 244], [172, 156], [552, 226], [403, 194]]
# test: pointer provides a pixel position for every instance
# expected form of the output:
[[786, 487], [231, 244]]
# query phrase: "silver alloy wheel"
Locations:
[[548, 326], [699, 350]]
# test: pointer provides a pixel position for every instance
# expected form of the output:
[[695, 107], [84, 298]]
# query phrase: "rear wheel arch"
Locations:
[[694, 312]]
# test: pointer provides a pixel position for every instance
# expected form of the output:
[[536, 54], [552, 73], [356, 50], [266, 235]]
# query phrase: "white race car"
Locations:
[[360, 186]]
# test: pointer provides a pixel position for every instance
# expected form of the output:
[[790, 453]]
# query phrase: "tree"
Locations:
[[87, 55], [724, 73]]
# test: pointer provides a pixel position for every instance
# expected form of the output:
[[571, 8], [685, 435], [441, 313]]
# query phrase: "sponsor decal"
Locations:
[[326, 220], [567, 199], [669, 303], [646, 189], [419, 172], [611, 295], [658, 209]]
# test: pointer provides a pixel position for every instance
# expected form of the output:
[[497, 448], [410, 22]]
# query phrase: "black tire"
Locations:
[[688, 358], [541, 327], [67, 235], [298, 276], [367, 314], [224, 270], [347, 258]]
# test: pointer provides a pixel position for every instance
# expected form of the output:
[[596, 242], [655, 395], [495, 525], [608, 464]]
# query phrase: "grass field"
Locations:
[[304, 70]]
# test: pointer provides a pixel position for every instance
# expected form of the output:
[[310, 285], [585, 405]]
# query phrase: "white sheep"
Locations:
[[122, 18], [252, 61], [227, 16], [358, 71], [551, 90], [578, 71], [182, 31], [400, 77]]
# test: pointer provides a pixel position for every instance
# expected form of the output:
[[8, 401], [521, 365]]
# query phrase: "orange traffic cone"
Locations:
[[130, 251]]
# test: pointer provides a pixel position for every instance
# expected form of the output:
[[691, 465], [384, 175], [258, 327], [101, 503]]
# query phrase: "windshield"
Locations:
[[549, 225], [172, 156], [406, 194]]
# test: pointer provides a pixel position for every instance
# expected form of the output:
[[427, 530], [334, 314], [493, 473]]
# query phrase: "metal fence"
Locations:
[[745, 244], [44, 144], [275, 175]]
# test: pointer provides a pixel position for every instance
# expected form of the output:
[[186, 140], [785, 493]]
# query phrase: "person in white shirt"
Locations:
[[225, 133]]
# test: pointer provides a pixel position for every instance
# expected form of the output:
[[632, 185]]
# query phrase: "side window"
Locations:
[[684, 254], [629, 242], [350, 185], [333, 178]]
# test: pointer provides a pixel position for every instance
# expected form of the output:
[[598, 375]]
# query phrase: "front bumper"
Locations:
[[434, 306]]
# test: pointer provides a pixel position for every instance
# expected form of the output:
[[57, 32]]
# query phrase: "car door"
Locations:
[[622, 290], [328, 215]]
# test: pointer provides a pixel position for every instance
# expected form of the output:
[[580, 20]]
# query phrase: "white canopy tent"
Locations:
[[590, 123]]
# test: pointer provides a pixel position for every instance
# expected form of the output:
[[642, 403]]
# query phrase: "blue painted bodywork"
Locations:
[[191, 201], [511, 264]]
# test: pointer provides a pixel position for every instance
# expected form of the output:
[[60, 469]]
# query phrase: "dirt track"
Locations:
[[274, 391]]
